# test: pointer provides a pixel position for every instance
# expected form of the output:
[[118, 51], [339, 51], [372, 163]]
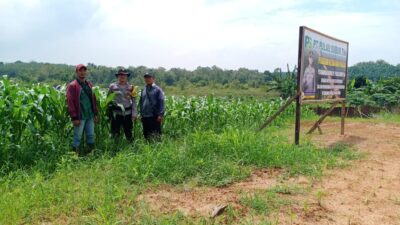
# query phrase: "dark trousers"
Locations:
[[122, 121], [151, 128]]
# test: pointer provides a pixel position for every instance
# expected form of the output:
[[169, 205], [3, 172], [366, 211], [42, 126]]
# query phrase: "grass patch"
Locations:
[[264, 203], [342, 154], [103, 188], [288, 189], [221, 91], [388, 118]]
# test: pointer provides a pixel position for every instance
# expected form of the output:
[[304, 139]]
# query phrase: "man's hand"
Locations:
[[159, 119], [96, 119], [134, 118], [76, 123]]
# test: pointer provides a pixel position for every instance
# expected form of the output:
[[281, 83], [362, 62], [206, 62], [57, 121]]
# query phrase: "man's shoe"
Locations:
[[90, 147]]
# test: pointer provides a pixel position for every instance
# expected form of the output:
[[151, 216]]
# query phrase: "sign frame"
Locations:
[[300, 94], [298, 97], [301, 65]]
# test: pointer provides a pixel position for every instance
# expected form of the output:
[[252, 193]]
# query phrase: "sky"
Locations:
[[255, 34]]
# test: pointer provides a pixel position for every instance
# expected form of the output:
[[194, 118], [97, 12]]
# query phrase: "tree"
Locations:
[[360, 81], [285, 83], [373, 70]]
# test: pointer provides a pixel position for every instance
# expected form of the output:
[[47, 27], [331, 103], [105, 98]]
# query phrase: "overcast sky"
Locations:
[[256, 34]]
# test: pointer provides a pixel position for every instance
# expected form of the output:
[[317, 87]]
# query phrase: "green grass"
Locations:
[[388, 118], [103, 188], [383, 117], [264, 203], [208, 141], [289, 189], [36, 128], [259, 93]]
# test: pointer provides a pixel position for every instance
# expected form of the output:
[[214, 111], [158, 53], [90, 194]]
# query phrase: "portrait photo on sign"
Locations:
[[323, 71], [310, 73]]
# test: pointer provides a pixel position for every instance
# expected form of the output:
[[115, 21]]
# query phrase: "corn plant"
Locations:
[[35, 124]]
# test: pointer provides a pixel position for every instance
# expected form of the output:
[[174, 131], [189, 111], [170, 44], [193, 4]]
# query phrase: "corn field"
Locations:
[[35, 124]]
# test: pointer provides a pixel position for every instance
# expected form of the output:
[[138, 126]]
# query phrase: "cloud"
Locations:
[[24, 19], [257, 34]]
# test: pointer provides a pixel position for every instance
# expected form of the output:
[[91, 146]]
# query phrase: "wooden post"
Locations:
[[297, 125], [343, 114], [322, 118], [280, 110], [299, 89], [319, 129]]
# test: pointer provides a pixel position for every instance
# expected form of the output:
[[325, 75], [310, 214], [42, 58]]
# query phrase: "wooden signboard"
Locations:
[[322, 73], [321, 76]]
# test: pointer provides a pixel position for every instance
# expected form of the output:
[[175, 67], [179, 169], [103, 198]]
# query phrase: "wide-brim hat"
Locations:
[[123, 72], [148, 74]]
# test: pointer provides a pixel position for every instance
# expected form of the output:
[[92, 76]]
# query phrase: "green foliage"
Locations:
[[384, 93], [285, 83], [201, 81], [207, 141], [263, 203], [103, 189], [36, 120], [29, 118], [186, 114], [34, 72], [360, 81], [374, 70]]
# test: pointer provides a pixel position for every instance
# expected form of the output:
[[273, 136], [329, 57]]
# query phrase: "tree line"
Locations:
[[34, 72]]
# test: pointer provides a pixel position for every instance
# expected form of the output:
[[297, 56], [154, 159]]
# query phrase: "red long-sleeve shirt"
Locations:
[[73, 99]]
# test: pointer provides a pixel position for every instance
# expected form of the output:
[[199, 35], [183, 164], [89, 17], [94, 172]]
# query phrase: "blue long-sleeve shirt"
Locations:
[[151, 101]]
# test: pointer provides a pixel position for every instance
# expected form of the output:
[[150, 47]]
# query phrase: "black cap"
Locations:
[[123, 72], [148, 74]]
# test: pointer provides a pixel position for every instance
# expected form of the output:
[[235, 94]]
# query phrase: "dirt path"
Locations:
[[195, 201], [366, 193]]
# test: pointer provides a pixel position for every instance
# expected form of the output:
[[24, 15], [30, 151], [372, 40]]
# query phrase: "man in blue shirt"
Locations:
[[151, 106]]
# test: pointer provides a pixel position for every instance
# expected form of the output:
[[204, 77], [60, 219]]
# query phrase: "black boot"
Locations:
[[90, 147], [77, 150]]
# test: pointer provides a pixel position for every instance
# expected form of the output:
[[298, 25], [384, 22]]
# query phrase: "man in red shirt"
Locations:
[[82, 108]]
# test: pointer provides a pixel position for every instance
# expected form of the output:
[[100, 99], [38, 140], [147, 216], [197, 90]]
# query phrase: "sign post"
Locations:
[[322, 73], [299, 90], [343, 115], [321, 76]]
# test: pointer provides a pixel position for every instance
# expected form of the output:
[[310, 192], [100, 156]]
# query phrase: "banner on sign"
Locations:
[[323, 68]]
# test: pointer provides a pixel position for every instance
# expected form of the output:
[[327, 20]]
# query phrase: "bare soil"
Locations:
[[367, 192]]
